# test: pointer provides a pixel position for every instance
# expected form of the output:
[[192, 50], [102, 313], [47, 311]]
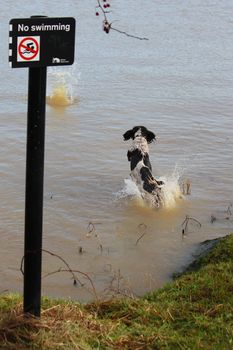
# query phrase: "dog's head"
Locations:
[[139, 131]]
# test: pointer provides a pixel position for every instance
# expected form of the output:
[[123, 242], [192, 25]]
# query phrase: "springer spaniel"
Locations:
[[140, 166]]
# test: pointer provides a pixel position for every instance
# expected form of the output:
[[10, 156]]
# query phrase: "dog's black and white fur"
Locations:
[[140, 166]]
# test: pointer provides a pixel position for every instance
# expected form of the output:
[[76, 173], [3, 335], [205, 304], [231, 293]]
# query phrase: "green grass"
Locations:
[[193, 312]]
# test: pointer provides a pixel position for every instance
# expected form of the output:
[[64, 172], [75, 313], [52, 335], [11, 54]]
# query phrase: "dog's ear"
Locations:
[[150, 136], [128, 135]]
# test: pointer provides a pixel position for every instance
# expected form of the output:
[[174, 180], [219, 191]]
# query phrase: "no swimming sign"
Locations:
[[41, 42]]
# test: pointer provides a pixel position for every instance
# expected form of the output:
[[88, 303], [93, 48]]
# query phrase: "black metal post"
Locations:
[[34, 190]]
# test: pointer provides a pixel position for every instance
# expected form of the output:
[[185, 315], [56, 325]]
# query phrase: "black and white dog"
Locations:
[[140, 166]]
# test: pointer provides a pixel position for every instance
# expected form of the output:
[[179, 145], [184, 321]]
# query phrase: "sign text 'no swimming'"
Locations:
[[41, 41]]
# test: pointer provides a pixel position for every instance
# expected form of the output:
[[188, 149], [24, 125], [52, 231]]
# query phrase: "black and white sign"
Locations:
[[41, 42]]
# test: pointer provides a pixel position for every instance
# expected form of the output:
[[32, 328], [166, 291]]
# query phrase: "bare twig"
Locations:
[[129, 35], [117, 287], [80, 250], [107, 25], [142, 228], [68, 269], [102, 10], [186, 187], [213, 219], [228, 211], [75, 279], [75, 271], [185, 223], [226, 214], [92, 231], [91, 228]]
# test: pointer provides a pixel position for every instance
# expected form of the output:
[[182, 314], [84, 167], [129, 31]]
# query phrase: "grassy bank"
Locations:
[[193, 312]]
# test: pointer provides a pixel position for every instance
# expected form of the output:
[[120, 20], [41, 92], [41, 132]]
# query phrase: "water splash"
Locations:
[[63, 82], [130, 189], [60, 97], [171, 189]]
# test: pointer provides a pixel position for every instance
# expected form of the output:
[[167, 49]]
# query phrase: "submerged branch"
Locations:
[[68, 269], [185, 223], [143, 228], [76, 271]]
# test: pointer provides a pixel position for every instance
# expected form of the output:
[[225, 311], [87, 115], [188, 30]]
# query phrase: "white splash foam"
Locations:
[[171, 189], [130, 189], [63, 82]]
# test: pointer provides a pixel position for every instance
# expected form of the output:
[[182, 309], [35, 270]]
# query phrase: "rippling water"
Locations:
[[179, 85]]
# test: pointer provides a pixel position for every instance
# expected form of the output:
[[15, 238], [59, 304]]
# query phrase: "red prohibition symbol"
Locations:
[[28, 48]]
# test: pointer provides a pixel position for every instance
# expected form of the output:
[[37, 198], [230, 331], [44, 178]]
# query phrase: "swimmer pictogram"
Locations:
[[28, 49]]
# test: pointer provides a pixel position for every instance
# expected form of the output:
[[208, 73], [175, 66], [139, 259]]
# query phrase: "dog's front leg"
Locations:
[[129, 155]]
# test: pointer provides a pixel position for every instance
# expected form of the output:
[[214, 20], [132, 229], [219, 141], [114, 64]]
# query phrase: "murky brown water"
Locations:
[[178, 84]]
